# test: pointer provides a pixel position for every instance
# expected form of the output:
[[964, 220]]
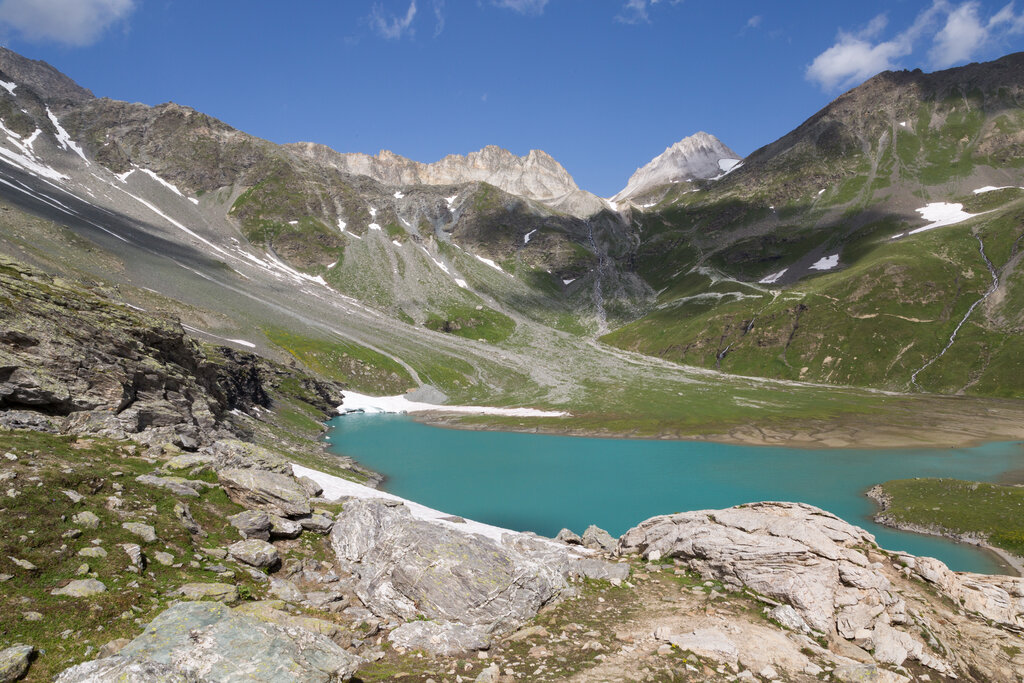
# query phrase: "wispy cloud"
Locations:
[[439, 17], [755, 21], [68, 22], [392, 26], [856, 56], [535, 7], [638, 11]]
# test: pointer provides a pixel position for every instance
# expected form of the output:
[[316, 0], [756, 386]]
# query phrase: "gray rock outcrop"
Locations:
[[271, 492], [14, 662], [255, 553], [443, 638], [408, 567], [201, 642]]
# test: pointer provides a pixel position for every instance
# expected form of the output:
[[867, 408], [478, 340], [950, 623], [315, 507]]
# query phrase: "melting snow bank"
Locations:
[[361, 403], [773, 278], [940, 214], [336, 487], [826, 263], [990, 188]]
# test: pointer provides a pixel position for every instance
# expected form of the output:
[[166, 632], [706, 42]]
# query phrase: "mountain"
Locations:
[[536, 176], [698, 156]]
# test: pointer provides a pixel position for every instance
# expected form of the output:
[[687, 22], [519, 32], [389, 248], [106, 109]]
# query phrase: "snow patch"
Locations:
[[728, 164], [990, 188], [293, 222], [373, 212], [242, 342], [440, 265], [9, 87], [123, 177], [773, 278], [821, 191], [396, 243], [169, 186], [341, 225], [903, 124], [374, 226], [826, 263], [63, 138], [399, 195], [451, 201], [361, 403], [941, 214], [489, 262], [527, 236], [569, 281], [461, 283], [194, 200]]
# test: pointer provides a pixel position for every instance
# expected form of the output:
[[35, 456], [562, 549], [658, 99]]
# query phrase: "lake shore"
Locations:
[[877, 494], [852, 435]]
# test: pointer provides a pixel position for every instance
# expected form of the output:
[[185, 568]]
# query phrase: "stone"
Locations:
[[789, 618], [312, 488], [134, 552], [285, 590], [491, 674], [144, 531], [569, 537], [440, 638], [221, 592], [255, 553], [535, 631], [32, 616], [86, 519], [711, 643], [597, 538], [188, 461], [74, 496], [318, 524], [233, 454], [270, 611], [14, 662], [24, 564], [176, 485], [194, 641], [252, 524], [284, 528], [600, 569], [271, 492], [184, 516], [164, 558], [80, 588], [93, 551], [408, 567]]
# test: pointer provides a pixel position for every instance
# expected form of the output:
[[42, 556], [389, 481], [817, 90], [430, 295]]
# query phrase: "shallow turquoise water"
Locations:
[[540, 483]]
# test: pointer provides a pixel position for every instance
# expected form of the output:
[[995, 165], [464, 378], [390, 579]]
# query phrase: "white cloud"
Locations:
[[390, 26], [754, 21], [855, 57], [439, 17], [636, 11], [69, 22], [523, 6]]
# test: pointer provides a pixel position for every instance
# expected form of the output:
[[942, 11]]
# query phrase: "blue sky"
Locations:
[[601, 85]]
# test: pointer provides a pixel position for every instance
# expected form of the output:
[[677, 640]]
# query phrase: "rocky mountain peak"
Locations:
[[45, 80], [693, 157], [535, 176]]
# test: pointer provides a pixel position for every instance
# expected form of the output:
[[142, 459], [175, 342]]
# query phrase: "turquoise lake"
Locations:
[[540, 483]]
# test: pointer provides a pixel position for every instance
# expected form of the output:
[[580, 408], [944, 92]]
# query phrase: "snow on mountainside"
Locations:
[[699, 156]]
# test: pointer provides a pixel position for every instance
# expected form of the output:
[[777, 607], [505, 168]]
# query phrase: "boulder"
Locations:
[[711, 643], [202, 642], [14, 662], [233, 454], [176, 485], [184, 516], [599, 569], [312, 488], [318, 524], [134, 552], [221, 592], [271, 492], [144, 531], [93, 551], [188, 461], [80, 588], [440, 638], [255, 553], [86, 519], [569, 537], [597, 538], [408, 567], [252, 524], [284, 528]]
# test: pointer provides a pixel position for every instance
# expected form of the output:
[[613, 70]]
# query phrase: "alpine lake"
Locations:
[[542, 483]]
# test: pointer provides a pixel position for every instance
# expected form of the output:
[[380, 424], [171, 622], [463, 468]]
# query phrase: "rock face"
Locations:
[[202, 642], [536, 176], [825, 572], [271, 492], [408, 567], [697, 156]]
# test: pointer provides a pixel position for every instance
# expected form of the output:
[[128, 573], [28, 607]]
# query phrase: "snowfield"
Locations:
[[773, 278], [826, 263], [361, 403]]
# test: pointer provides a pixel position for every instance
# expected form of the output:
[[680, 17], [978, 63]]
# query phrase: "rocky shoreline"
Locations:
[[878, 494]]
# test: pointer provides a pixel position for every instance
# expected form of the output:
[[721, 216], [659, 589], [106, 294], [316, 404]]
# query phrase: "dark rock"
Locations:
[[252, 524]]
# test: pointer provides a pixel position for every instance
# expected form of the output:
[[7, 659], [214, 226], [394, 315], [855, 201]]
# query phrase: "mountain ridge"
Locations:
[[696, 157]]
